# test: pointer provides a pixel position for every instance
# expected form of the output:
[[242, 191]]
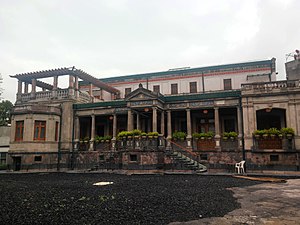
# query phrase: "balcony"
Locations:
[[58, 94], [273, 144]]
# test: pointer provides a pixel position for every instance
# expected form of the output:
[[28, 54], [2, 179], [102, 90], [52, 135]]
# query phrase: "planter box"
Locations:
[[206, 144], [229, 144], [269, 143]]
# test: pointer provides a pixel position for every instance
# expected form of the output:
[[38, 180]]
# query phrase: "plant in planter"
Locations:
[[144, 135], [152, 134], [122, 134], [233, 135], [98, 139], [179, 135], [107, 138], [288, 132], [258, 133], [136, 133], [86, 139], [197, 135], [129, 134], [209, 134], [273, 132], [225, 135]]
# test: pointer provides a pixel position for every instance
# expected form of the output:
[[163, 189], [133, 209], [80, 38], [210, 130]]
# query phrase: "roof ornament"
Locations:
[[140, 85]]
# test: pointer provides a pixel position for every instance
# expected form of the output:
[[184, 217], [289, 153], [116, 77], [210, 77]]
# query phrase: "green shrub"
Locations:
[[209, 134], [273, 131], [287, 130], [143, 134], [154, 134], [179, 135], [107, 138], [136, 132]]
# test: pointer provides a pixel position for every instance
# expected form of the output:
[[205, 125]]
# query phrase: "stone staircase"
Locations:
[[186, 157]]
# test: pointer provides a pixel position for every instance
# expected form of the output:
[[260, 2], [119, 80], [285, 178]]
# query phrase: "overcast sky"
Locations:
[[119, 37]]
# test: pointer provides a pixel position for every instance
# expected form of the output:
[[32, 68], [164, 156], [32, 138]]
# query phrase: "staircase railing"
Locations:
[[175, 147]]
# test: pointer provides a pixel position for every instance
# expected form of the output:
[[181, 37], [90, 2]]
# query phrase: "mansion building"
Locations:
[[219, 111]]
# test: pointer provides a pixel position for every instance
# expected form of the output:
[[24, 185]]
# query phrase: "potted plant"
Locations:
[[144, 135], [258, 133], [288, 132], [273, 132], [225, 135], [129, 134], [179, 135], [196, 136], [86, 139], [209, 134], [136, 133], [153, 134], [233, 135], [107, 138]]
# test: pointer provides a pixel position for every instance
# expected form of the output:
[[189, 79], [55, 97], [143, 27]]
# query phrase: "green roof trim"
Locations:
[[212, 95], [167, 99], [207, 69], [114, 104]]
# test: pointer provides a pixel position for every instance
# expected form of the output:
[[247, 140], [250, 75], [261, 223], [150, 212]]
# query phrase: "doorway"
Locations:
[[17, 163]]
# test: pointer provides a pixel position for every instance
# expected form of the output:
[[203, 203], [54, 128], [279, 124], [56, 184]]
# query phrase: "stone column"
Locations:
[[77, 133], [54, 90], [154, 119], [19, 94], [71, 85], [91, 92], [114, 138], [92, 133], [240, 127], [189, 128], [217, 128], [76, 87], [169, 128], [33, 88], [162, 123], [26, 88], [129, 120], [138, 123]]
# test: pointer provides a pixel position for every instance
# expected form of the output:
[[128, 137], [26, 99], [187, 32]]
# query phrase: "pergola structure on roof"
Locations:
[[31, 78]]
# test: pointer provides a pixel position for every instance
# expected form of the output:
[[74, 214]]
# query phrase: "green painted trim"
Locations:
[[221, 94], [115, 104]]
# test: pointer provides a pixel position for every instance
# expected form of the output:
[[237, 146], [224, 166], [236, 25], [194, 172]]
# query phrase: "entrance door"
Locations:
[[17, 163]]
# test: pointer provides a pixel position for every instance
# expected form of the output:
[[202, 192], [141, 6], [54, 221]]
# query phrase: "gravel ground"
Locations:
[[63, 198]]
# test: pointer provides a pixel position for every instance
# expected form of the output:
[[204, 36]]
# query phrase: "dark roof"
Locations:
[[208, 69], [26, 77]]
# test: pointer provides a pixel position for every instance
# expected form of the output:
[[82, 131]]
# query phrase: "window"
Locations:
[[39, 130], [127, 91], [133, 158], [38, 158], [19, 130], [193, 87], [156, 88], [56, 131], [274, 158], [203, 156], [174, 89], [101, 157], [2, 158], [227, 84]]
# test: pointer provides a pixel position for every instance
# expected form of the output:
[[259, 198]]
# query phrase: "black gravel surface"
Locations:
[[64, 198]]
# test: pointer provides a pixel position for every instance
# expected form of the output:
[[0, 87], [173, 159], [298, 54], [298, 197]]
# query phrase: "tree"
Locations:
[[5, 109]]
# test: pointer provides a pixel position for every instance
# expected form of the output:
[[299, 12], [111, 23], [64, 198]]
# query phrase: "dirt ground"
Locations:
[[65, 198]]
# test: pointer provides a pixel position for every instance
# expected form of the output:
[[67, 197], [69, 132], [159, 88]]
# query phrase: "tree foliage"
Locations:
[[5, 109]]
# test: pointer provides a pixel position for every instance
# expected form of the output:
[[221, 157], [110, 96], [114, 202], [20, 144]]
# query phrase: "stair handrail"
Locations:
[[190, 154]]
